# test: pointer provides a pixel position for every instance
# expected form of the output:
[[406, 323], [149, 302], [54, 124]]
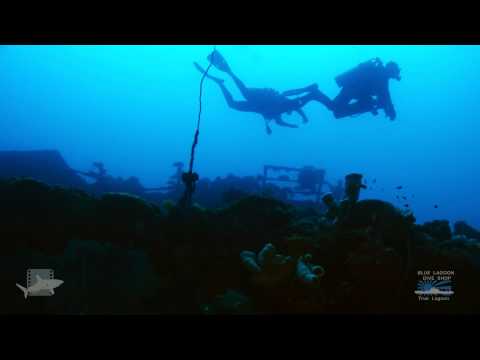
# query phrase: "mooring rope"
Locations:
[[190, 177], [197, 132]]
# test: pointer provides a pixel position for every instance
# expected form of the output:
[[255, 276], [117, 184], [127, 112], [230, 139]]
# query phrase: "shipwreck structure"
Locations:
[[47, 166], [303, 183]]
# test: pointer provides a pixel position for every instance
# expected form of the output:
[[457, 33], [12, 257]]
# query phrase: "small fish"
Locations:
[[399, 187], [404, 197], [435, 206], [406, 205]]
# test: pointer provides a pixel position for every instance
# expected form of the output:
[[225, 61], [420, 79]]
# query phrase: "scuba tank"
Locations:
[[354, 74]]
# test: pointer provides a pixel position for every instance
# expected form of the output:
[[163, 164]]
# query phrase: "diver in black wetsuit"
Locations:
[[368, 85], [268, 102]]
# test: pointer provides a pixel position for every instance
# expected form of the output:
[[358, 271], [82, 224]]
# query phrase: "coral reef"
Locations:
[[462, 228], [125, 218], [438, 229], [118, 253], [230, 302]]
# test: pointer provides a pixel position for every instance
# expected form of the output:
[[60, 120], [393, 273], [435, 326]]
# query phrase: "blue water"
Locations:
[[135, 109]]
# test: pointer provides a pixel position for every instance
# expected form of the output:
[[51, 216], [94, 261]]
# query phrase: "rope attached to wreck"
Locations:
[[190, 178]]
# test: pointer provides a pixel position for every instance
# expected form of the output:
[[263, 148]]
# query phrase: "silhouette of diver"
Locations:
[[265, 101], [367, 83]]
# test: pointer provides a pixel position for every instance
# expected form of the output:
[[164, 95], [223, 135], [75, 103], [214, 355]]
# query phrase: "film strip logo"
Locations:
[[40, 282], [45, 274]]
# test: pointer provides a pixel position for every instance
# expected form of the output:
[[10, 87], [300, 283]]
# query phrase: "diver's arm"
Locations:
[[389, 108], [302, 114], [268, 129], [385, 101], [280, 122]]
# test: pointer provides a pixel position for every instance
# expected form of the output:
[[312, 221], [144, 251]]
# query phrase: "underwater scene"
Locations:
[[239, 179]]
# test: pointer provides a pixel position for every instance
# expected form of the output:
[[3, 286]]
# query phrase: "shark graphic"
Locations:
[[41, 284]]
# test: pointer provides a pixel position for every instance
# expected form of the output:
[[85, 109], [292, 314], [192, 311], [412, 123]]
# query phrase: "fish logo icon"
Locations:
[[40, 282]]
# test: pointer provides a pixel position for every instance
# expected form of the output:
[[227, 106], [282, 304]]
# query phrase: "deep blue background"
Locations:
[[135, 108]]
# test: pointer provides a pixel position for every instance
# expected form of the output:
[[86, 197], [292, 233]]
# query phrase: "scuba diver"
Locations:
[[367, 83], [265, 101]]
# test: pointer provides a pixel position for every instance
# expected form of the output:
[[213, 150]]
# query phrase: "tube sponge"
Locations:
[[249, 259], [272, 269], [268, 267], [267, 254], [306, 272]]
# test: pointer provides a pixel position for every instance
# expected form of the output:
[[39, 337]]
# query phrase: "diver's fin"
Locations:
[[219, 61], [203, 71]]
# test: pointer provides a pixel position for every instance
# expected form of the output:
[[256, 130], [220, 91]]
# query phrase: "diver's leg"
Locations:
[[240, 85], [367, 104], [345, 111], [313, 93], [321, 98], [237, 105], [340, 105], [306, 89], [316, 95], [360, 107]]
